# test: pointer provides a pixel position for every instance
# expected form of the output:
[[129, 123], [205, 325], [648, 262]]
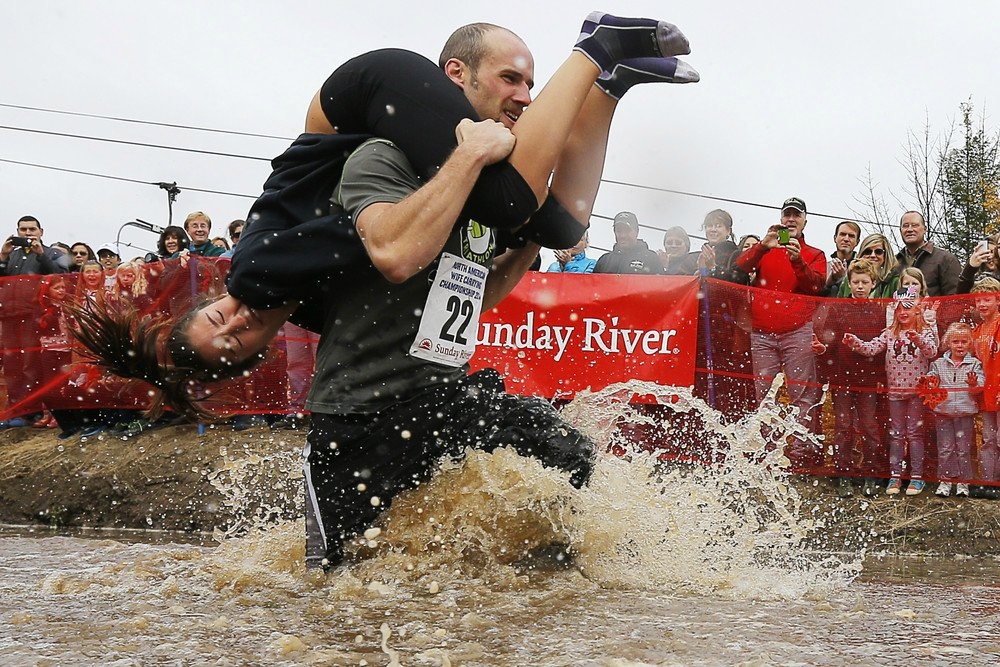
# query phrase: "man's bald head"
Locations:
[[468, 44]]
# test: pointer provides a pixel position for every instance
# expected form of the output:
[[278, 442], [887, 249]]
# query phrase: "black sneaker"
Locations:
[[982, 491]]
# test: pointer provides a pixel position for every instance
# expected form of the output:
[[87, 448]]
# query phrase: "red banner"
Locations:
[[559, 333]]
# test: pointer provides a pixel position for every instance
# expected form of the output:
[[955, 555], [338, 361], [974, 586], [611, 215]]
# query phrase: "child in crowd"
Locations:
[[854, 379], [961, 375], [90, 286], [131, 286], [909, 345], [986, 346], [909, 277]]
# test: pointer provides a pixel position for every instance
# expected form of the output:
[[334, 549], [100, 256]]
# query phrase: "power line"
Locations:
[[134, 143], [593, 215], [144, 122], [122, 178], [877, 224], [696, 195], [731, 201]]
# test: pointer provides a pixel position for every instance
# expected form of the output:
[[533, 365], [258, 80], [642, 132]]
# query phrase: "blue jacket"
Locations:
[[579, 263]]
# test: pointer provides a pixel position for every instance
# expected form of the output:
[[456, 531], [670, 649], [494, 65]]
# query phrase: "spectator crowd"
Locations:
[[36, 322], [888, 345]]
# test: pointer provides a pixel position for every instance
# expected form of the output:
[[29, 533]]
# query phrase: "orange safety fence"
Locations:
[[557, 334]]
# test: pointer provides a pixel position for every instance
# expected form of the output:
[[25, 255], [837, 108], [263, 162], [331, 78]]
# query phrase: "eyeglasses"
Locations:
[[873, 251], [80, 253]]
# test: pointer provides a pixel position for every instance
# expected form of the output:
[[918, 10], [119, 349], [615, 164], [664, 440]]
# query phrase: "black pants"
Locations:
[[345, 450]]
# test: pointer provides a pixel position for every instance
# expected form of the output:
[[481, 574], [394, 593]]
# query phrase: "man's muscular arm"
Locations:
[[404, 238]]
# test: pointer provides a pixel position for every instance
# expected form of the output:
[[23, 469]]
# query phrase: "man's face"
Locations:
[[625, 235], [794, 220], [29, 229], [846, 239], [912, 229], [500, 89], [108, 260], [198, 230]]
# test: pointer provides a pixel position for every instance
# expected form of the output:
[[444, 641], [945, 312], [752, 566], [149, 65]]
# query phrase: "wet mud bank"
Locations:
[[174, 478]]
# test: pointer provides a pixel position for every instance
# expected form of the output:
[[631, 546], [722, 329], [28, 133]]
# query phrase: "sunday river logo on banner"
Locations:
[[605, 329]]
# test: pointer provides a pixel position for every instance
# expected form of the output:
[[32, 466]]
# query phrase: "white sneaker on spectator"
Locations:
[[944, 489], [962, 490]]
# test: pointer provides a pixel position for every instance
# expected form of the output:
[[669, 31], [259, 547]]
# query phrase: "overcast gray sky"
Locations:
[[795, 99]]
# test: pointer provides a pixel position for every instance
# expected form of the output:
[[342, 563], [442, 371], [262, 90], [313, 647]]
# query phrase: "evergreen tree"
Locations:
[[970, 181]]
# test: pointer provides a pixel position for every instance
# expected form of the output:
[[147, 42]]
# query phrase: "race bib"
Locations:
[[448, 325]]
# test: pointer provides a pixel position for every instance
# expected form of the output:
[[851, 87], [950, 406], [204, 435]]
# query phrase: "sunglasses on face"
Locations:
[[873, 251], [80, 253]]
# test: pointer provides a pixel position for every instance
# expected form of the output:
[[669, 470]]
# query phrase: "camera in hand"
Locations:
[[20, 241], [783, 236]]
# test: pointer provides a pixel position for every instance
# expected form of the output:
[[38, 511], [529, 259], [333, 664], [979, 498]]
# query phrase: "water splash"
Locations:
[[733, 526], [718, 518]]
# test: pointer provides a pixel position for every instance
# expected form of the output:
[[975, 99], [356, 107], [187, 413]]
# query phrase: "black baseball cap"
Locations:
[[627, 218], [794, 202]]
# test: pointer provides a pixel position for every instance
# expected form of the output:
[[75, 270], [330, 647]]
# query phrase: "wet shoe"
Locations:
[[844, 488], [944, 489], [914, 487], [132, 428], [43, 421], [632, 72], [67, 434], [983, 491], [16, 422], [243, 422], [871, 487], [91, 431], [607, 39], [962, 490], [893, 488], [293, 422]]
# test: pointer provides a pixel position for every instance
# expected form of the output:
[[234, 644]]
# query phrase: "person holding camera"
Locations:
[[23, 255], [781, 339]]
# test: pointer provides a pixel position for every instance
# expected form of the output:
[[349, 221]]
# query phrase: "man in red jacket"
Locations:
[[782, 333]]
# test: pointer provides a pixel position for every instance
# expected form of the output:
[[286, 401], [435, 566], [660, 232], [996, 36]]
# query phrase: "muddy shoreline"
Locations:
[[175, 479]]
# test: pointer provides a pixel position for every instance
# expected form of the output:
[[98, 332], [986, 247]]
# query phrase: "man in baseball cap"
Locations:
[[109, 258], [630, 254], [782, 333]]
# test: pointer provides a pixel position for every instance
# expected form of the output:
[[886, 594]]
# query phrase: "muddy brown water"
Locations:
[[497, 561]]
